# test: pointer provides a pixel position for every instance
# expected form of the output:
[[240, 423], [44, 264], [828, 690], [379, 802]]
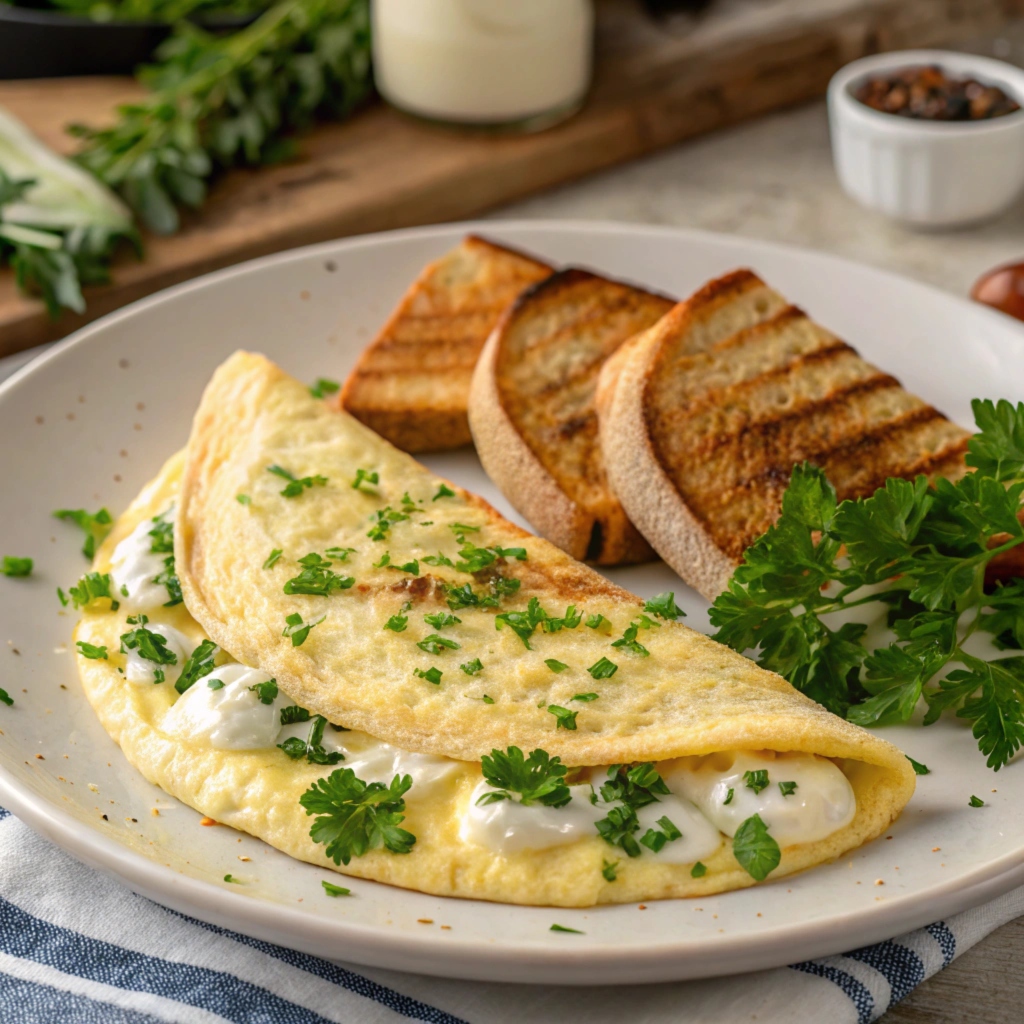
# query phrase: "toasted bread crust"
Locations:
[[704, 419], [533, 416], [411, 384]]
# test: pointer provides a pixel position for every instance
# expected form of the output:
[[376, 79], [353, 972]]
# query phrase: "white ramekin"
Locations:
[[928, 173]]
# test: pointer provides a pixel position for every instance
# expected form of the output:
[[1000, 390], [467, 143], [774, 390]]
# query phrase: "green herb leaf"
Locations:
[[432, 675], [919, 769], [537, 779], [353, 817], [568, 931], [243, 499], [603, 669], [365, 476], [151, 646], [664, 605], [329, 887], [323, 387], [471, 668], [293, 713], [555, 665], [444, 491], [317, 578], [96, 526], [629, 642], [198, 664], [755, 850], [296, 485], [596, 621], [92, 587], [585, 698], [265, 691], [756, 780], [787, 788], [397, 623], [297, 629], [564, 718], [437, 644], [13, 566], [976, 801], [93, 651], [273, 558], [441, 620], [609, 870], [698, 870]]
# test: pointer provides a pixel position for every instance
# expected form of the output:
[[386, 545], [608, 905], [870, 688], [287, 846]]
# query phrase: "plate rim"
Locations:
[[525, 962]]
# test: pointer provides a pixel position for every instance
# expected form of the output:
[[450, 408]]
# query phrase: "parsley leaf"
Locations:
[[265, 691], [14, 566], [329, 887], [471, 668], [919, 769], [629, 641], [608, 870], [555, 665], [603, 669], [444, 491], [432, 675], [664, 605], [323, 387], [273, 558], [299, 630], [564, 718], [441, 620], [787, 788], [537, 779], [976, 801], [293, 713], [6, 698], [755, 850], [296, 485], [96, 526], [312, 748], [632, 787], [568, 931], [353, 817], [198, 664], [383, 519], [596, 621], [397, 623], [585, 698], [317, 578], [243, 499], [93, 651], [698, 870], [151, 646], [91, 587], [365, 476], [436, 644], [438, 559], [756, 780]]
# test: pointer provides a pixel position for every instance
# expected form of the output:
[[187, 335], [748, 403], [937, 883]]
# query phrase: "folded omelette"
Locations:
[[302, 633]]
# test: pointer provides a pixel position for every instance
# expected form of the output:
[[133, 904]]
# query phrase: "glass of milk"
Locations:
[[516, 65]]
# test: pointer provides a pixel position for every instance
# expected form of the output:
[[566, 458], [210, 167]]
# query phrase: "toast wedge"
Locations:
[[702, 422], [411, 384], [531, 409]]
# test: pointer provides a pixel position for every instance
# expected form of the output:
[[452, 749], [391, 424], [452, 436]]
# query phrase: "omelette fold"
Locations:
[[296, 621]]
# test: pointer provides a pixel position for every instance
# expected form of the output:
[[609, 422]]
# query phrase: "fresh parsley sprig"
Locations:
[[354, 817], [537, 779], [917, 551]]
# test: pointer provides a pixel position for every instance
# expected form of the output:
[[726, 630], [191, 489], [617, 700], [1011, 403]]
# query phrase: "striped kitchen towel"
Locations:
[[76, 947]]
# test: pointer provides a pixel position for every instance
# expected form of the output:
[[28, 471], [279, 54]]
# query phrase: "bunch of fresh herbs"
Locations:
[[917, 551]]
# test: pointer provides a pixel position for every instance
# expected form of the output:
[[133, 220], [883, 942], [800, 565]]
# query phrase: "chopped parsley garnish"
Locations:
[[293, 713], [728, 797], [93, 651], [537, 779], [91, 587], [487, 700], [272, 558], [169, 579], [317, 578], [329, 887], [198, 664], [585, 698], [471, 668], [568, 931], [466, 597], [265, 691], [555, 665], [502, 586], [383, 562], [437, 644], [634, 787], [603, 669], [365, 476], [231, 878], [474, 559], [215, 684], [95, 526], [756, 780], [413, 567], [656, 838], [162, 534], [523, 624], [441, 620], [323, 387], [438, 559], [787, 788], [519, 554], [397, 623], [353, 817], [243, 499], [6, 698], [432, 675], [629, 641], [758, 854], [459, 529], [12, 565], [664, 606], [608, 870], [976, 801], [299, 630], [151, 646], [339, 554], [564, 718], [444, 491], [698, 870], [919, 769], [296, 485], [383, 519], [312, 748], [596, 621]]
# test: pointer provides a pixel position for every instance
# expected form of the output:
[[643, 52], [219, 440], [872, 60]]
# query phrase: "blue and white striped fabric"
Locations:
[[76, 947]]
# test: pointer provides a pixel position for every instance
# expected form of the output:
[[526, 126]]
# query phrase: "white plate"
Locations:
[[90, 421]]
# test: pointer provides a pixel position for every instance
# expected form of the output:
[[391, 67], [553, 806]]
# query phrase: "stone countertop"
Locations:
[[772, 179]]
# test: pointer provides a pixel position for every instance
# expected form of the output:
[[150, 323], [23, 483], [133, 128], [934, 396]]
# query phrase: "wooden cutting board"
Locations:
[[656, 84]]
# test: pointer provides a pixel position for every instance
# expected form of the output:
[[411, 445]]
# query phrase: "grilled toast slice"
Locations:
[[411, 384], [703, 420], [531, 409]]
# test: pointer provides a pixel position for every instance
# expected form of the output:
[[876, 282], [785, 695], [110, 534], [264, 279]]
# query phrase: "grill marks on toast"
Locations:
[[550, 349], [412, 382], [728, 415]]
